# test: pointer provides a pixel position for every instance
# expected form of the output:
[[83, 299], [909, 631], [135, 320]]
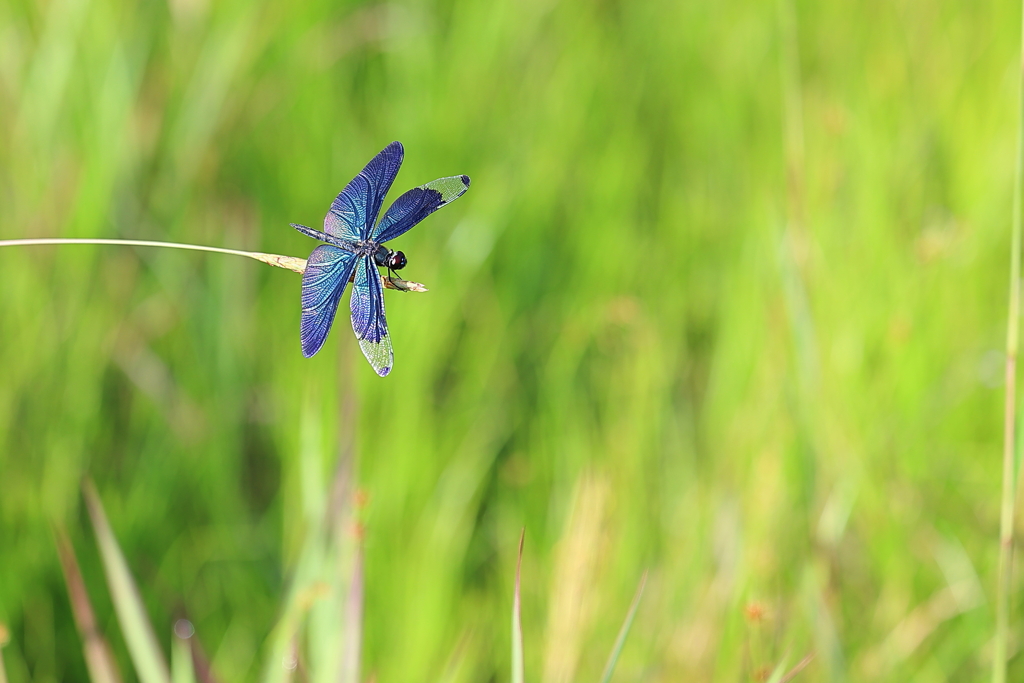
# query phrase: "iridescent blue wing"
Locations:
[[327, 272], [417, 204], [355, 209], [368, 320]]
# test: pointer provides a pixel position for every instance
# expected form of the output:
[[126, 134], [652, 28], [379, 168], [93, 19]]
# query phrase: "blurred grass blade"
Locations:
[[131, 613], [306, 586], [1007, 515], [624, 631], [517, 622], [200, 662], [353, 638], [182, 668], [4, 637], [779, 677], [99, 658], [778, 672], [456, 659]]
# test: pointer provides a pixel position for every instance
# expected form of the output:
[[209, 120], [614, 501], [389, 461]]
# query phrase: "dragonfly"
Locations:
[[354, 250]]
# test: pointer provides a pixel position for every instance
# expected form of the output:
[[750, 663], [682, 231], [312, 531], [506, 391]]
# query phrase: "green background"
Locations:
[[726, 300]]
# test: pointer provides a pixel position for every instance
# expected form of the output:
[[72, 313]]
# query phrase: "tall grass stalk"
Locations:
[[292, 263], [289, 262], [1008, 504]]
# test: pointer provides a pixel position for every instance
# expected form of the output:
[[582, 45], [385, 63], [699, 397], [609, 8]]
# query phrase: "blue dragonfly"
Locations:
[[354, 250]]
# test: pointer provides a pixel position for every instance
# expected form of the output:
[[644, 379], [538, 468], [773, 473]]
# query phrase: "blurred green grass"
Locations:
[[637, 344]]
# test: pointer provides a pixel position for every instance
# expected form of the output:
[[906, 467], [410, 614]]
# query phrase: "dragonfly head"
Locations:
[[396, 260]]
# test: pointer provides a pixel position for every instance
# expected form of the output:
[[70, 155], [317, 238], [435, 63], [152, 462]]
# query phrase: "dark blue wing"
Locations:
[[368, 320], [417, 204], [327, 272], [355, 209]]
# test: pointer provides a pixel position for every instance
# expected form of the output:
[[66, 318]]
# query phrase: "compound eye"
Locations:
[[397, 261]]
